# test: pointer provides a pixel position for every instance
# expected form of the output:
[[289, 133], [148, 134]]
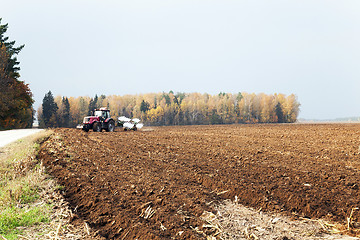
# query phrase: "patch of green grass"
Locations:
[[23, 189], [29, 194], [59, 187], [13, 217], [21, 181]]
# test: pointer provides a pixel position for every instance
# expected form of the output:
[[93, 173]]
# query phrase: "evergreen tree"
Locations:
[[100, 102], [11, 68], [93, 105], [66, 117], [16, 98], [180, 97], [167, 98], [49, 108], [145, 106], [155, 102], [215, 118], [279, 113], [175, 100], [96, 102]]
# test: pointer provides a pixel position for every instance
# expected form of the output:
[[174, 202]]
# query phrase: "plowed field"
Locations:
[[156, 184]]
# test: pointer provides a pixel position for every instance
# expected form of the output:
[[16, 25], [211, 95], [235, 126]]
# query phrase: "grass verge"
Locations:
[[22, 180]]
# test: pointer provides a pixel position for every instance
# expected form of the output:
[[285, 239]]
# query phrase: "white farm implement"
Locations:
[[129, 124]]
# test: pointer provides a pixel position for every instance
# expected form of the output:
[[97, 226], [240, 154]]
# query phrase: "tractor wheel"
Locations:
[[86, 128], [111, 126], [96, 127]]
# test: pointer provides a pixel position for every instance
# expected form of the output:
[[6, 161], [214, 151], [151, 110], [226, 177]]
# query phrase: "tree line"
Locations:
[[16, 100], [171, 108]]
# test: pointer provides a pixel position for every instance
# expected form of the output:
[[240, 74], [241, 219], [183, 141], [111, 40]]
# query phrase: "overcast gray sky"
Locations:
[[83, 47]]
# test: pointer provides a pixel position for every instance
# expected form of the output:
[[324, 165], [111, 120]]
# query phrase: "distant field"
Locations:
[[157, 183], [336, 120]]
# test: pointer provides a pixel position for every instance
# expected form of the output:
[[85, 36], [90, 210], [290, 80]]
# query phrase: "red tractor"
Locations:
[[100, 121]]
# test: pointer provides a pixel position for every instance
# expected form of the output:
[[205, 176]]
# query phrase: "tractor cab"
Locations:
[[102, 113]]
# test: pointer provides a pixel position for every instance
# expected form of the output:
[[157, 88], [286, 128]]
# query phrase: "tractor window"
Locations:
[[98, 113], [104, 114]]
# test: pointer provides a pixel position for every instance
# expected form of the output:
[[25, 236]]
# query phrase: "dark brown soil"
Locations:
[[157, 184]]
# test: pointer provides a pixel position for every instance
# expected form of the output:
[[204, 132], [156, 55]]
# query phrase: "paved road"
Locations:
[[9, 136]]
